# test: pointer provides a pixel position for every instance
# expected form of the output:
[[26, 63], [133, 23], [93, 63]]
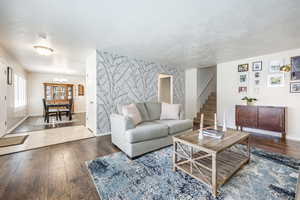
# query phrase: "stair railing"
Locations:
[[210, 87]]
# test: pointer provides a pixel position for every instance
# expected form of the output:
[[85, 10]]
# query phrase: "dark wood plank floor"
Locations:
[[36, 123], [59, 172]]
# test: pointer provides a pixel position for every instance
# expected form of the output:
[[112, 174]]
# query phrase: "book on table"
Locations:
[[213, 133]]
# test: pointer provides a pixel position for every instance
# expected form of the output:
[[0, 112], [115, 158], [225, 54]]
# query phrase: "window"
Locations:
[[20, 91]]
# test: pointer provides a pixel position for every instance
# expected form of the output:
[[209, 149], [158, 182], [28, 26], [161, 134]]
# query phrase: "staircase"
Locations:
[[208, 109]]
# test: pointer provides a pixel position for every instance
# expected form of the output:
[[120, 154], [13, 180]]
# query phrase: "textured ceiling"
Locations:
[[189, 33]]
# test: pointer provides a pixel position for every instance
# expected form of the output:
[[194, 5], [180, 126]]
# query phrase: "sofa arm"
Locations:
[[120, 124]]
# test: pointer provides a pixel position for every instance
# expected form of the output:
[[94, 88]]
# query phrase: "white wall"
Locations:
[[91, 92], [36, 91], [14, 115], [191, 93], [228, 96]]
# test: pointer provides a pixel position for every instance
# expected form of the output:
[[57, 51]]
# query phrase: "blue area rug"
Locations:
[[268, 176]]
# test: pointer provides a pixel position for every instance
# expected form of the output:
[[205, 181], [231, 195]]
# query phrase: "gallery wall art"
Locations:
[[295, 68], [243, 68], [274, 66], [276, 80], [257, 66], [295, 87]]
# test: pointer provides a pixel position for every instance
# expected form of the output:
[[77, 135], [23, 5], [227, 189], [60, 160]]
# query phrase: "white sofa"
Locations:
[[151, 134]]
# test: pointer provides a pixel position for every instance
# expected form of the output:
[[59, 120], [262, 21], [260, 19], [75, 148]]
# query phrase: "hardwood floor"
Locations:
[[37, 123], [59, 172], [56, 172]]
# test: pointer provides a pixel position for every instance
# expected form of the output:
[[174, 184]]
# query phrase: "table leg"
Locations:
[[191, 163], [174, 156], [248, 149], [214, 175]]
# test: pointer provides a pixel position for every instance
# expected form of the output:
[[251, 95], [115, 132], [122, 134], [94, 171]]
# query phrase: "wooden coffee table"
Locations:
[[210, 160]]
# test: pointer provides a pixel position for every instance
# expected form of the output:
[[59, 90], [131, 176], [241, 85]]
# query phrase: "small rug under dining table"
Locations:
[[268, 176]]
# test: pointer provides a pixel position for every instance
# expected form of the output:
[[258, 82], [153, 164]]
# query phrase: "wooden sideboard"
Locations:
[[271, 118]]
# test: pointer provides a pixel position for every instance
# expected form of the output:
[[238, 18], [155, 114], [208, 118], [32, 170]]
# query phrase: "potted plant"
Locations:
[[250, 101]]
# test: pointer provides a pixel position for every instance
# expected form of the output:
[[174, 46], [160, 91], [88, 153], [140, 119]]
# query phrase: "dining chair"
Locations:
[[49, 112], [67, 111]]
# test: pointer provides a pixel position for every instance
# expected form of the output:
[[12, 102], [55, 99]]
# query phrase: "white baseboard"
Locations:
[[293, 138], [103, 134], [17, 124], [35, 115], [263, 132]]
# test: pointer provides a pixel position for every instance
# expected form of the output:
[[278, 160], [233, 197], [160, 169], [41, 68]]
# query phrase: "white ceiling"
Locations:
[[189, 33]]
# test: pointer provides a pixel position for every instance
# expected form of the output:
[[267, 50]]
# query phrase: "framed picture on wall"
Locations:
[[243, 78], [295, 71], [274, 66], [243, 68], [276, 80], [9, 75], [295, 87], [257, 66], [242, 89], [256, 75]]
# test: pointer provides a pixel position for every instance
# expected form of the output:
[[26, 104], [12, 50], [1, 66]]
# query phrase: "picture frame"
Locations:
[[274, 66], [276, 80], [9, 74], [295, 68], [242, 89], [243, 78], [257, 66], [243, 67], [294, 87]]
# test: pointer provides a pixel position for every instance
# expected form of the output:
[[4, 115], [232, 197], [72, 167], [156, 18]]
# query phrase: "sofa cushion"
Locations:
[[170, 111], [143, 111], [140, 106], [154, 110], [146, 131], [132, 111], [176, 126]]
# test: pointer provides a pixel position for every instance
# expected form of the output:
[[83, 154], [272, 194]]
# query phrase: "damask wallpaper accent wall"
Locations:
[[121, 80]]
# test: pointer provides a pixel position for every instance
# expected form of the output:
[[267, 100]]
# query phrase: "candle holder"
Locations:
[[200, 136], [215, 122], [224, 129]]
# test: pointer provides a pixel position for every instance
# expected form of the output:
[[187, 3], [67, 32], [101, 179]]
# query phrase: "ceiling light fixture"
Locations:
[[42, 46], [43, 50]]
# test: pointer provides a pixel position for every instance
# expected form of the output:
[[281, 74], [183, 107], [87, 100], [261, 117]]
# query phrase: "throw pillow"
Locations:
[[170, 111], [132, 112]]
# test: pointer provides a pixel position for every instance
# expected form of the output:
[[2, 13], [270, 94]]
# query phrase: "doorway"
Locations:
[[165, 88]]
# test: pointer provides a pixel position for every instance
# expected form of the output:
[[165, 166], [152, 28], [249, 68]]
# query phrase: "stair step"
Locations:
[[209, 107], [212, 98], [206, 114], [196, 120]]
